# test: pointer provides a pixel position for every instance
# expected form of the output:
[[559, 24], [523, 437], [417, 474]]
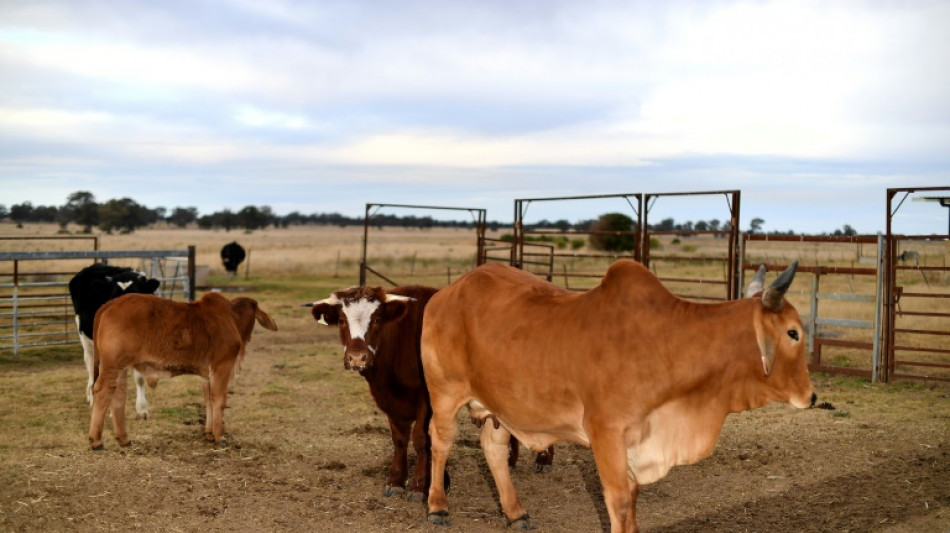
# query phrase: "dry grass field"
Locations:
[[309, 449]]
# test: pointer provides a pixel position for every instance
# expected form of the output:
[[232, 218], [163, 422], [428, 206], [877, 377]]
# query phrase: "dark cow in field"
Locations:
[[231, 256], [380, 333], [92, 287], [642, 377], [161, 338]]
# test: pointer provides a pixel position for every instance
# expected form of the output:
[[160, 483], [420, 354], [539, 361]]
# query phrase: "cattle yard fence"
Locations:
[[35, 306]]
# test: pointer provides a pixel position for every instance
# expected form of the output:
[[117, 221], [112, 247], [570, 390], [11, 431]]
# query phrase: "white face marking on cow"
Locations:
[[124, 285], [358, 316]]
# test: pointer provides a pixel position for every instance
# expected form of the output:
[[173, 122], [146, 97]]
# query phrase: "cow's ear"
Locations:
[[394, 310], [151, 286], [325, 313]]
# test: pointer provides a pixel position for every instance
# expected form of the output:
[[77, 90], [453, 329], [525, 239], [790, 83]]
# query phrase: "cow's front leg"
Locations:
[[219, 398], [620, 492], [209, 411], [141, 404], [419, 488], [399, 468]]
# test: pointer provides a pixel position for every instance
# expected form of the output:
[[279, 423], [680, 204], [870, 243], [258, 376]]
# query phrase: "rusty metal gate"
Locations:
[[372, 209], [543, 258], [713, 269], [916, 300], [35, 307]]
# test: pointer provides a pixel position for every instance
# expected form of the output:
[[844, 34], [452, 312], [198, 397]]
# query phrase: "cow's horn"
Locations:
[[397, 298], [757, 283], [774, 295], [332, 300]]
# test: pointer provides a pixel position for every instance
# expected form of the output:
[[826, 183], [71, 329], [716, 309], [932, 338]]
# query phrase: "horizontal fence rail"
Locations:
[[36, 309]]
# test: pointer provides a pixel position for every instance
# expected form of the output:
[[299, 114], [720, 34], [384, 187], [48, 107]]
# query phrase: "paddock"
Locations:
[[309, 447]]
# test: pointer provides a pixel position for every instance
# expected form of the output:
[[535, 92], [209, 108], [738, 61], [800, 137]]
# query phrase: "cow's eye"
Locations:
[[793, 333]]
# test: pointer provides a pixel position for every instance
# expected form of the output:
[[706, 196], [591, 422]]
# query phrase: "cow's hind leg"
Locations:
[[399, 467], [544, 462], [442, 428], [118, 409], [495, 444], [220, 377], [141, 404], [103, 391]]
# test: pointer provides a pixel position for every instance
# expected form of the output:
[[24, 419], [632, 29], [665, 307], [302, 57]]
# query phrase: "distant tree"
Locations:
[[849, 231], [81, 207], [4, 212], [667, 224], [123, 214], [612, 222], [252, 218], [21, 213], [755, 225], [182, 216]]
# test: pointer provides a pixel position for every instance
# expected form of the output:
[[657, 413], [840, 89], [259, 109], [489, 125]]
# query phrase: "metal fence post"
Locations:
[[878, 310]]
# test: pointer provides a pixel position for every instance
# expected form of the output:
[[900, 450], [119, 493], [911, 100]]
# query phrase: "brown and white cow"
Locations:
[[380, 333], [162, 338], [642, 377]]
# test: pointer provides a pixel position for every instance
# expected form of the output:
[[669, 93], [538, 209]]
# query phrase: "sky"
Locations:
[[811, 109]]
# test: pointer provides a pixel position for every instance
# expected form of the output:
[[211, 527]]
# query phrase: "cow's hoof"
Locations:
[[542, 469], [221, 444], [416, 496], [390, 491], [440, 518], [96, 447], [143, 415], [125, 443], [524, 523]]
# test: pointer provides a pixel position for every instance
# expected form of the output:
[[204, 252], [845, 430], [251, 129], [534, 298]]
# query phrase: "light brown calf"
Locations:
[[162, 338]]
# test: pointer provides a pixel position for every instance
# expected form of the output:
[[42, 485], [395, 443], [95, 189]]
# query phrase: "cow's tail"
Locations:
[[95, 353]]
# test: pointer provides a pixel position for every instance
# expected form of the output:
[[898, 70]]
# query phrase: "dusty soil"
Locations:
[[310, 450]]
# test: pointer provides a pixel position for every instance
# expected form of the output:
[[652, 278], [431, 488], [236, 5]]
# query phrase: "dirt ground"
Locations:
[[309, 452]]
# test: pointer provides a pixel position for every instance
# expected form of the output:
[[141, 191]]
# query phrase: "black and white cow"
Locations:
[[231, 256], [92, 287]]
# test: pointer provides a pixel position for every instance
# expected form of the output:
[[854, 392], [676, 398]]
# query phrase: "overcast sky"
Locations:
[[811, 109]]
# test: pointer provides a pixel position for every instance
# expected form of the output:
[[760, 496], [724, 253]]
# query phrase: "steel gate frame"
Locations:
[[480, 224], [894, 293]]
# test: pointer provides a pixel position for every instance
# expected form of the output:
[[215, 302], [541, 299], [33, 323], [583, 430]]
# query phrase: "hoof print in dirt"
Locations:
[[390, 491], [524, 523], [440, 518]]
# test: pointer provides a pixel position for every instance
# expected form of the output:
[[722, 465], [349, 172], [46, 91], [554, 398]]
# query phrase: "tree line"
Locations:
[[126, 215]]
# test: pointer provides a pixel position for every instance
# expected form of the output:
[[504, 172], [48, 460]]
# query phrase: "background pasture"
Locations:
[[310, 449]]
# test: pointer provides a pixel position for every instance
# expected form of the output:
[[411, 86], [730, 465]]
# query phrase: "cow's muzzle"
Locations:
[[359, 360]]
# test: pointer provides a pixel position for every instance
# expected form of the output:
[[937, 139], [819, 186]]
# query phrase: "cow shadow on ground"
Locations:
[[868, 500]]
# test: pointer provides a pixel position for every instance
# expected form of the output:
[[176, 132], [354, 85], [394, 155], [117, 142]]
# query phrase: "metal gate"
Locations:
[[35, 307], [478, 216], [916, 300]]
